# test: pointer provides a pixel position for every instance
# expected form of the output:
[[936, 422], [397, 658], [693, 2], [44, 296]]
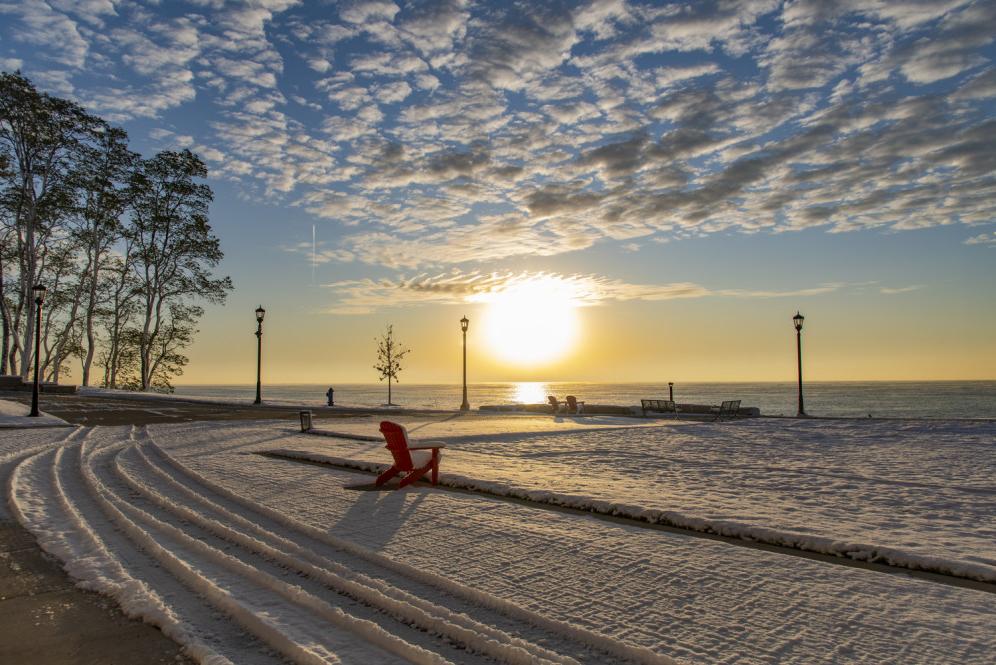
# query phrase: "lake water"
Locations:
[[928, 399]]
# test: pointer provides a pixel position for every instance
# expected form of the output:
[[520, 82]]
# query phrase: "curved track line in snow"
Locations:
[[595, 640], [379, 595], [208, 567], [265, 627], [859, 552], [90, 562]]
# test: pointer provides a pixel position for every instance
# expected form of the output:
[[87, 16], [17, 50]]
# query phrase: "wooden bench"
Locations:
[[728, 409], [660, 405]]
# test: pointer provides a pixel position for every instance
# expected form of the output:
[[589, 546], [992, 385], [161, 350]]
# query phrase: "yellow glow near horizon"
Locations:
[[530, 392], [531, 322]]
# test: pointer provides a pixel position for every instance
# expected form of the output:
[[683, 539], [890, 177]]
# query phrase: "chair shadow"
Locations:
[[378, 513]]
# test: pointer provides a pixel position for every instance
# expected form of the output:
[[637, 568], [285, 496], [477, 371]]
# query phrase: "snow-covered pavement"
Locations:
[[15, 414], [250, 559], [918, 494]]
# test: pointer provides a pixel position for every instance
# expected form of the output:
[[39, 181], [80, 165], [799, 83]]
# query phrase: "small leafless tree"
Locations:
[[390, 353]]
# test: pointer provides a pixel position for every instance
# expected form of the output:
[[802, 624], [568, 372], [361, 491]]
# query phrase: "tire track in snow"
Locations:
[[264, 606], [42, 505], [207, 567], [378, 594], [477, 597]]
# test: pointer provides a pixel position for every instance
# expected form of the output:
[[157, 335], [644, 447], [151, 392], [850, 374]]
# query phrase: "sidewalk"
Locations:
[[15, 414], [44, 618]]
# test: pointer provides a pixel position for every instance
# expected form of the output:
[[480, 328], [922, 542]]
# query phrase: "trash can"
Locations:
[[305, 421]]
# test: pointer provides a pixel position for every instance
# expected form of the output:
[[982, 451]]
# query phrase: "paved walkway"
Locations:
[[44, 618]]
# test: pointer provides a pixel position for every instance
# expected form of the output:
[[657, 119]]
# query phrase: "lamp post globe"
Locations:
[[39, 291], [464, 324], [260, 313], [797, 322]]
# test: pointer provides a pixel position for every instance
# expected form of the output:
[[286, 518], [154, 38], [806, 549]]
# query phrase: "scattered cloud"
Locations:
[[891, 291], [362, 296], [983, 239], [448, 133]]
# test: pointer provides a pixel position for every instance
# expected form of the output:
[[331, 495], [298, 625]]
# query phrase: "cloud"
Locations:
[[367, 295], [524, 43], [57, 34], [361, 296], [983, 239], [447, 133], [366, 11], [667, 76], [891, 291]]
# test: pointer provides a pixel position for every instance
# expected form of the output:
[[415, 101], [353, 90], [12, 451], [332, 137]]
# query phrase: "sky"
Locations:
[[635, 191]]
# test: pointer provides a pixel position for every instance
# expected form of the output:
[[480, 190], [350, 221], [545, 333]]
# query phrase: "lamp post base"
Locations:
[[465, 407]]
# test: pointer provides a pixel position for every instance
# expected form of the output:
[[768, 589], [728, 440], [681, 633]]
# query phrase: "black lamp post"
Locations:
[[797, 320], [39, 291], [464, 322], [260, 313]]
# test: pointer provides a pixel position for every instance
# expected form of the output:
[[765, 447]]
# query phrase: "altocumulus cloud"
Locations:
[[444, 133], [361, 296]]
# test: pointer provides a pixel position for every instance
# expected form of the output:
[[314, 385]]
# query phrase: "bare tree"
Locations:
[[174, 253], [103, 197], [390, 353], [40, 138]]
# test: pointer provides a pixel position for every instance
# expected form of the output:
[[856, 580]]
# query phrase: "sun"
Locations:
[[531, 322]]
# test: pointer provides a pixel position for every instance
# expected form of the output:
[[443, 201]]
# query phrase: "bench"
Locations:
[[660, 405], [728, 409]]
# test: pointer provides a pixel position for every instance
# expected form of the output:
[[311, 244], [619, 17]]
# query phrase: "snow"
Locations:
[[15, 414], [246, 558], [915, 494]]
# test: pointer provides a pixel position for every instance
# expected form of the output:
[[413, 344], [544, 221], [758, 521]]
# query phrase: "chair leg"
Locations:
[[413, 476], [387, 475], [435, 466]]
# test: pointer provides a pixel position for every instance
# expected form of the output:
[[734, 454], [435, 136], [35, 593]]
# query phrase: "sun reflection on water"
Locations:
[[530, 392]]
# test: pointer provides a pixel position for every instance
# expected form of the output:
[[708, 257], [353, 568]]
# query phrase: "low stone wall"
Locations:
[[15, 383], [618, 410]]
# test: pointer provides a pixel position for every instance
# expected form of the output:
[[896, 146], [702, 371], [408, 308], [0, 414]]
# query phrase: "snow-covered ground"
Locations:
[[15, 414], [919, 494], [251, 559]]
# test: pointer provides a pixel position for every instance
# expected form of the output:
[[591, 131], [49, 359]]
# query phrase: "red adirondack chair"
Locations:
[[415, 461]]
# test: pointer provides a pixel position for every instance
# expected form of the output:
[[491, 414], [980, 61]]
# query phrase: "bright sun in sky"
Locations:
[[531, 322]]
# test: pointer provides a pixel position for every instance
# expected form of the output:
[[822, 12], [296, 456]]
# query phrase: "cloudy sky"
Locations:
[[689, 174]]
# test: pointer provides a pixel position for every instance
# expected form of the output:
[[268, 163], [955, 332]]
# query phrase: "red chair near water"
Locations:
[[415, 461]]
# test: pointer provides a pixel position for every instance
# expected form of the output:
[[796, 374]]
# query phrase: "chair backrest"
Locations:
[[729, 408], [397, 442], [572, 404], [554, 402]]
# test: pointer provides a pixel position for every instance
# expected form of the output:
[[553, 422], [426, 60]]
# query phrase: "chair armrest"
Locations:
[[435, 445]]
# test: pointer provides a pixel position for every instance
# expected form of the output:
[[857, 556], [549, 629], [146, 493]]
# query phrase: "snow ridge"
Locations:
[[749, 532], [404, 606], [484, 599], [237, 582]]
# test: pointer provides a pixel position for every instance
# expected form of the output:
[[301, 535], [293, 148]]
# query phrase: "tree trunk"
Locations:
[[5, 316], [91, 345], [27, 281]]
